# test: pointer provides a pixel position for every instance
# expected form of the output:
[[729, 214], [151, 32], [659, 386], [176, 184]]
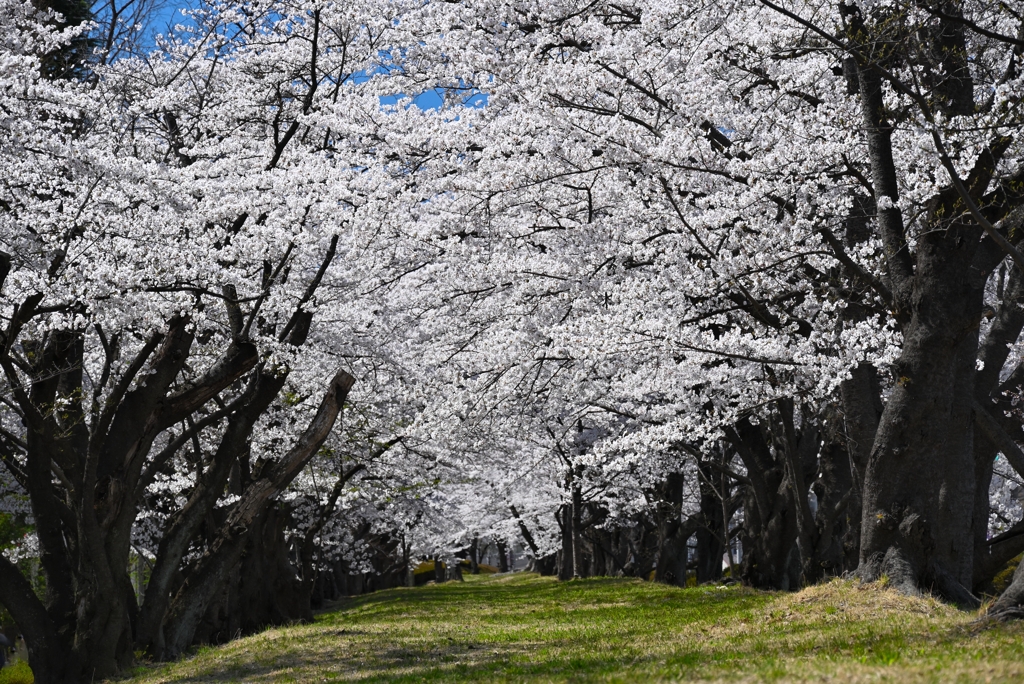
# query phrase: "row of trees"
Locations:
[[652, 288], [782, 232]]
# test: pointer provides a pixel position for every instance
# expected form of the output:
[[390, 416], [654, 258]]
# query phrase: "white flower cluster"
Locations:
[[620, 231]]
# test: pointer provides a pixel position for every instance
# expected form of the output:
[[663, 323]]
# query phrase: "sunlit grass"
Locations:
[[17, 672], [523, 627]]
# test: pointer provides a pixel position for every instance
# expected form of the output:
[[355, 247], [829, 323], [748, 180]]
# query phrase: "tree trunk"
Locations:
[[180, 533], [545, 566], [308, 571], [992, 555], [213, 568], [455, 571], [769, 517], [862, 409], [673, 535], [49, 654], [1010, 605], [710, 539], [578, 570], [525, 531], [996, 432], [565, 560], [269, 591], [919, 483], [502, 555], [837, 528]]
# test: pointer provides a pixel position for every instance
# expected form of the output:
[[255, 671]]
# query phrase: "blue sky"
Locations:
[[169, 13]]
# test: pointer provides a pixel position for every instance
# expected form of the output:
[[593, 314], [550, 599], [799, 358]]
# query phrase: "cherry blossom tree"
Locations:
[[173, 223], [763, 201], [649, 273]]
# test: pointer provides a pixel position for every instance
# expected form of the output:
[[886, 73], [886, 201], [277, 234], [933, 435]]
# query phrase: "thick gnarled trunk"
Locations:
[[919, 484], [213, 568]]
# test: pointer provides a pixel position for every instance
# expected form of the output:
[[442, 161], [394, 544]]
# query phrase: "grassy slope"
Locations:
[[523, 627]]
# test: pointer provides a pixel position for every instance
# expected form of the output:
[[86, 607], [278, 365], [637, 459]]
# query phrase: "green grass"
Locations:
[[17, 672], [527, 628]]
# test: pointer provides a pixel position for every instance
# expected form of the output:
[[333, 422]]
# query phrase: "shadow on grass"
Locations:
[[526, 628], [536, 588], [689, 659]]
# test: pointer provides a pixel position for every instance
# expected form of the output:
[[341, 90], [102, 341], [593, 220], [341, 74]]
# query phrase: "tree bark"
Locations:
[[673, 533], [565, 560], [502, 555], [919, 484], [712, 531], [184, 524], [920, 476], [1010, 604], [49, 653], [578, 569], [212, 569], [770, 518]]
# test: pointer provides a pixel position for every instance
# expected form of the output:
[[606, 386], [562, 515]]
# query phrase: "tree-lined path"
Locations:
[[297, 295]]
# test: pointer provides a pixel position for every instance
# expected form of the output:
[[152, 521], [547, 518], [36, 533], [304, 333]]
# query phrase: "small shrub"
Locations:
[[483, 567], [424, 572], [1001, 581], [17, 672], [423, 568]]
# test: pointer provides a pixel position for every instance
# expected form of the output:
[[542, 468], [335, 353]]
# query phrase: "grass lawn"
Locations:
[[527, 628]]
